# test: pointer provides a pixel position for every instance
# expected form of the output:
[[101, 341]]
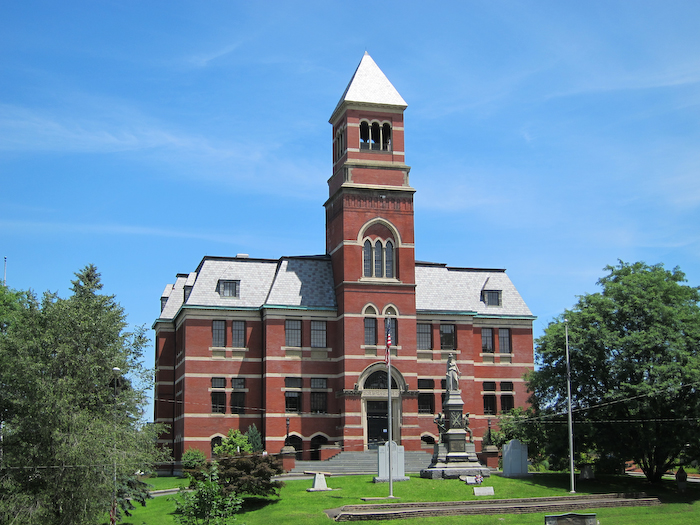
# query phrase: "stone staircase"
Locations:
[[346, 463]]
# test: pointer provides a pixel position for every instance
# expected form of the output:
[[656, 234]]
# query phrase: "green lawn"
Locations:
[[296, 506]]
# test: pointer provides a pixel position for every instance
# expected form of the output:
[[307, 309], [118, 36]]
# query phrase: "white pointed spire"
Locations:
[[369, 85]]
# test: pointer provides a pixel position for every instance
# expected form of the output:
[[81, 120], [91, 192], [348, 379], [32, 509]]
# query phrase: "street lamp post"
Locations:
[[571, 422], [113, 513]]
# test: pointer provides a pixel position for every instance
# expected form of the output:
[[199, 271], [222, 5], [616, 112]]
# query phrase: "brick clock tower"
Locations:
[[370, 238]]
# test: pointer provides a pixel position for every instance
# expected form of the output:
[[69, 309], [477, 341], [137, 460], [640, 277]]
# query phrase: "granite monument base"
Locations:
[[452, 466]]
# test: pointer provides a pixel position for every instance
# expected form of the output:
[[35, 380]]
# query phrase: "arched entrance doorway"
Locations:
[[375, 404], [316, 443]]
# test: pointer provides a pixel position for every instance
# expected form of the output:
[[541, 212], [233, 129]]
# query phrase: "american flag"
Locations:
[[387, 356], [479, 479]]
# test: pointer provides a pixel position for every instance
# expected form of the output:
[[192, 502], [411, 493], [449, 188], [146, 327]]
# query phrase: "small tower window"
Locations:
[[375, 136], [364, 135], [386, 137]]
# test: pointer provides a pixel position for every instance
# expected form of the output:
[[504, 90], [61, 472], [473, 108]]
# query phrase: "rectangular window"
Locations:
[[318, 334], [490, 386], [424, 336], [504, 340], [218, 402], [447, 337], [370, 331], [319, 383], [506, 386], [507, 402], [218, 333], [238, 383], [228, 288], [238, 334], [238, 402], [292, 332], [426, 384], [487, 340], [491, 297], [319, 402], [292, 382], [292, 401], [426, 403], [443, 384], [218, 382], [489, 404]]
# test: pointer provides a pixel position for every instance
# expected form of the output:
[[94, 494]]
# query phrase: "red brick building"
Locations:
[[296, 345]]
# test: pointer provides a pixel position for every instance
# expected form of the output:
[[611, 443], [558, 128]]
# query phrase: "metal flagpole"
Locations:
[[387, 325], [571, 423]]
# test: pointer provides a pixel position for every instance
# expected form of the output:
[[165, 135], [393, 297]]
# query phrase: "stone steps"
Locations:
[[360, 463], [549, 505]]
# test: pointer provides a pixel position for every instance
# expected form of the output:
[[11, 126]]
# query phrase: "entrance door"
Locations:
[[377, 427]]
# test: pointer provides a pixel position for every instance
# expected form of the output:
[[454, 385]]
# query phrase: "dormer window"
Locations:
[[228, 288], [491, 297], [375, 136]]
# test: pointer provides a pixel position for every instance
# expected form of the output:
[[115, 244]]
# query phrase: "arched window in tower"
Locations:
[[378, 259], [364, 135], [389, 259], [386, 137], [367, 259], [376, 136]]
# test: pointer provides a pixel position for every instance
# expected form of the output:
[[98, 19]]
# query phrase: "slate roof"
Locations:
[[445, 289], [290, 282], [369, 85], [307, 282]]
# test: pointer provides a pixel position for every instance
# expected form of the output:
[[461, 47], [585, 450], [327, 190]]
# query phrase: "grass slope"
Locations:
[[296, 506]]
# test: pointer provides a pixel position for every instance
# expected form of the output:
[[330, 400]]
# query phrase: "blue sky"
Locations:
[[549, 138]]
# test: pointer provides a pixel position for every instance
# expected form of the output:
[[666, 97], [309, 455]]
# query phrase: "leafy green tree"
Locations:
[[193, 458], [11, 304], [234, 443], [249, 474], [69, 420], [635, 370], [254, 438], [206, 503]]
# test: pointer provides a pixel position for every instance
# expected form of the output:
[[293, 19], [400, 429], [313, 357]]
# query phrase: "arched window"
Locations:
[[215, 442], [364, 135], [367, 256], [378, 259], [375, 136], [389, 259], [386, 137], [370, 326], [377, 381]]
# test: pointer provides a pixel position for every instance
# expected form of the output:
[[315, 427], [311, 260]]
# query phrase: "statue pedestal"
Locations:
[[455, 456]]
